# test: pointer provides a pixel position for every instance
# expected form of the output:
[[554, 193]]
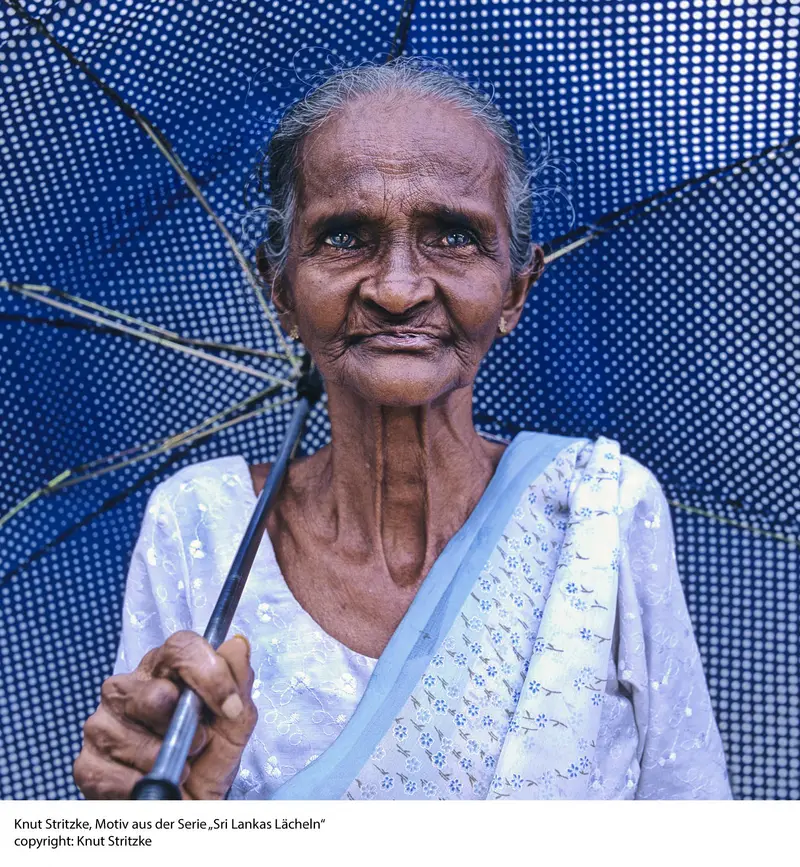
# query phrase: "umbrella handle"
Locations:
[[163, 782]]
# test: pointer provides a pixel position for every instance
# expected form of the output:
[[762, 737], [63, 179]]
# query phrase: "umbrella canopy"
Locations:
[[672, 330]]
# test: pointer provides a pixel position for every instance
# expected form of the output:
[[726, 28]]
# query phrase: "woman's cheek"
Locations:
[[321, 307], [476, 315]]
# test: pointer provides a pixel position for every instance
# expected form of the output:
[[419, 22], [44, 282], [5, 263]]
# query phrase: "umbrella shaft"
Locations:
[[163, 782], [178, 739], [222, 615]]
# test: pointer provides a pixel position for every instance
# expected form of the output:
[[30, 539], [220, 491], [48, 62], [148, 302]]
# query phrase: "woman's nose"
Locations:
[[397, 283]]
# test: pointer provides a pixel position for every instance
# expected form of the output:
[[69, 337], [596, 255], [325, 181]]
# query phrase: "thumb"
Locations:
[[236, 652], [213, 771]]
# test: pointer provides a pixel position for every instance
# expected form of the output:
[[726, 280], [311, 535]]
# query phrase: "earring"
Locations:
[[295, 333], [502, 326]]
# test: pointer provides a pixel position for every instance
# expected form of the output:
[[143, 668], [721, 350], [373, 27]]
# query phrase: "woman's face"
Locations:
[[399, 265]]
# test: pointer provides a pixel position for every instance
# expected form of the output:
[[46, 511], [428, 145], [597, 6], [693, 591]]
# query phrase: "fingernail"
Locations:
[[242, 638], [232, 706]]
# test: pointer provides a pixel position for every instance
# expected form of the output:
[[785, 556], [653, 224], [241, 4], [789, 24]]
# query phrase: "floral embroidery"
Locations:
[[532, 710], [524, 698]]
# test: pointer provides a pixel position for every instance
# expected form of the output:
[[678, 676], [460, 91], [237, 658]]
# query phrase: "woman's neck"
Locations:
[[400, 482]]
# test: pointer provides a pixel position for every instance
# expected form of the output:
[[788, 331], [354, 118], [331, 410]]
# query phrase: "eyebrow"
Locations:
[[338, 220], [467, 219], [481, 223]]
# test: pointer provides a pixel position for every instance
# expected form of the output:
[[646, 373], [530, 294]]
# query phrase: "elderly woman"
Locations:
[[432, 613]]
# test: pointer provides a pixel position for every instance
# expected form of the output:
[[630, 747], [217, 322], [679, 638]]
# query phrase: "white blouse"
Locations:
[[657, 738]]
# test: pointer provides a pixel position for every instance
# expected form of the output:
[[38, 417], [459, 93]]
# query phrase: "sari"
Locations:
[[547, 654]]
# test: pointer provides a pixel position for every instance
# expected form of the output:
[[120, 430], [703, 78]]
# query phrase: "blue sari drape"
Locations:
[[436, 609], [547, 654]]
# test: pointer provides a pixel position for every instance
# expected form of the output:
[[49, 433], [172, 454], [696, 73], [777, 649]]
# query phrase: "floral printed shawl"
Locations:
[[492, 685], [549, 653]]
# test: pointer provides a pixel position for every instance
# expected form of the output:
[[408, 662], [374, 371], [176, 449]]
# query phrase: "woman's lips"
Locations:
[[400, 341]]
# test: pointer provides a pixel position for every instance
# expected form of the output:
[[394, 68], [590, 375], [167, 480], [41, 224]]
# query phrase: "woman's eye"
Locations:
[[457, 239], [340, 240]]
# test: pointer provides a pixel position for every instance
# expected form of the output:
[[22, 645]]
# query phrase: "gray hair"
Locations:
[[282, 159]]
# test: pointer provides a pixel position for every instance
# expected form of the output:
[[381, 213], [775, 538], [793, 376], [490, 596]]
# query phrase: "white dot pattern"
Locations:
[[675, 335]]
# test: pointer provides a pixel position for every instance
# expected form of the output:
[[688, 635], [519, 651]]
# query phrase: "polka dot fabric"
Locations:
[[89, 206], [675, 334]]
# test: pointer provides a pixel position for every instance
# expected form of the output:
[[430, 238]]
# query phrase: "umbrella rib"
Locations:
[[151, 338], [636, 210], [110, 329], [168, 152], [92, 305], [402, 30], [110, 311], [240, 405], [172, 443], [107, 504], [68, 478], [568, 248], [175, 161], [739, 524]]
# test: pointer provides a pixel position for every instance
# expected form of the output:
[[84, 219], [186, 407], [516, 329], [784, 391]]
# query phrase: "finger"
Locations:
[[191, 658], [152, 705], [236, 652], [115, 691], [122, 693], [214, 770], [146, 703], [121, 742], [101, 779], [144, 670]]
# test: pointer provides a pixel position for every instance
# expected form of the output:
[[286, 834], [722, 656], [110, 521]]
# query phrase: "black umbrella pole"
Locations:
[[163, 782]]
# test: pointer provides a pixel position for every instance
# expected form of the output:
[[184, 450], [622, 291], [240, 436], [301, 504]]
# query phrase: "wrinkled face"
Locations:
[[399, 265]]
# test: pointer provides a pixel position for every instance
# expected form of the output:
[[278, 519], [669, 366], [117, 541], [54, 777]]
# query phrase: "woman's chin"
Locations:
[[402, 380]]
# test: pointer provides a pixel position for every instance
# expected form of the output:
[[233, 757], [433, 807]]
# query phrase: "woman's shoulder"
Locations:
[[640, 490], [194, 511], [636, 478], [601, 461], [202, 481], [587, 454]]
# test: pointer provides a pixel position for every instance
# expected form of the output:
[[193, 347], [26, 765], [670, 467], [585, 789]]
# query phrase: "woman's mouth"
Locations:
[[399, 341]]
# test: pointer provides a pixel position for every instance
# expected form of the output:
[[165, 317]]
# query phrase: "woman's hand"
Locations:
[[123, 736]]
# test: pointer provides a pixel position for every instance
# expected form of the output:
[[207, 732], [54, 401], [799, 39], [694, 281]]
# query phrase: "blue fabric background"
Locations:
[[674, 334]]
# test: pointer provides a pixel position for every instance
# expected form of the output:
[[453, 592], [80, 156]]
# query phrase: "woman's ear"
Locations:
[[279, 294], [521, 285], [264, 267]]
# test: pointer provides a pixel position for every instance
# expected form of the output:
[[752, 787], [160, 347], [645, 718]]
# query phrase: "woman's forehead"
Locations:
[[398, 143]]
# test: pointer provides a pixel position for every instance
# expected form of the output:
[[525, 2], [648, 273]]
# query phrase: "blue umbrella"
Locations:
[[134, 340]]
